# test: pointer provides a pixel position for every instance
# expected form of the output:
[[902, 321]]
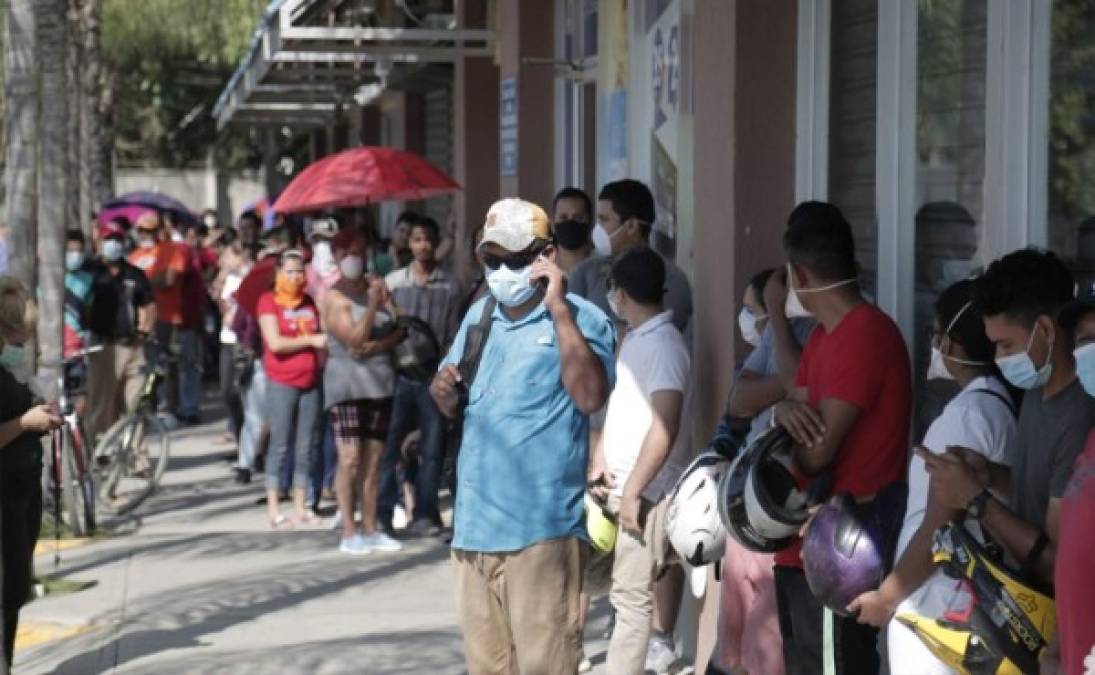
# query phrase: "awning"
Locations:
[[297, 71]]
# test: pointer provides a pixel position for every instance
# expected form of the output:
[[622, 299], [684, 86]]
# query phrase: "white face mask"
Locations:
[[747, 323], [510, 288], [602, 240], [176, 237], [323, 260], [793, 307], [145, 242], [74, 260], [113, 250], [351, 267], [937, 370]]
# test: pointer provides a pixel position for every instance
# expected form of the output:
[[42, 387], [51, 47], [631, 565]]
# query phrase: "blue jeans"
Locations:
[[291, 412], [190, 372], [413, 409]]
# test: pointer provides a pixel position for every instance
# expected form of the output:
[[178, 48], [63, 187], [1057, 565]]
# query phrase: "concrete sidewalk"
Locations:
[[203, 586]]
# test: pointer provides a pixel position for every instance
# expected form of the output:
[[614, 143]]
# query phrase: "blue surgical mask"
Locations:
[[1019, 369], [511, 288], [13, 357], [113, 250], [74, 260], [1085, 367]]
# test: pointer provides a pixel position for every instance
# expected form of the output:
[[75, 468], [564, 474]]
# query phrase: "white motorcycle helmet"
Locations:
[[692, 521]]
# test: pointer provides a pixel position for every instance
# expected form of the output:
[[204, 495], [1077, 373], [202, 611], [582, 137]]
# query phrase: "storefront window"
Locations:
[[853, 89], [950, 168], [1071, 194]]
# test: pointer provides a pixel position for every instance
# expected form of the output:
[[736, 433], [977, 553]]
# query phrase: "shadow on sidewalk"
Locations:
[[180, 618]]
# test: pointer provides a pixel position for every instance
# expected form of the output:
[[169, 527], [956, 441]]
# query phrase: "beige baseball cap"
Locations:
[[515, 224]]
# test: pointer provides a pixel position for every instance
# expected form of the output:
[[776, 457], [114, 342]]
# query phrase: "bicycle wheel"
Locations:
[[85, 482], [130, 460]]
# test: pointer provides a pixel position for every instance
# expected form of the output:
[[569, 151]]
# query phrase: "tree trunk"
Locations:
[[21, 127], [75, 217], [92, 178], [102, 146], [52, 182]]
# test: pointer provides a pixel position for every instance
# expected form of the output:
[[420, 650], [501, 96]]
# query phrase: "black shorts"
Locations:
[[366, 418]]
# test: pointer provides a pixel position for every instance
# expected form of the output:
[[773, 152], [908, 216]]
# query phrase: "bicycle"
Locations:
[[131, 457], [69, 480]]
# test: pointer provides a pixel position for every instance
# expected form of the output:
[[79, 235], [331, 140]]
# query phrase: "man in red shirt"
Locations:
[[164, 263], [849, 414]]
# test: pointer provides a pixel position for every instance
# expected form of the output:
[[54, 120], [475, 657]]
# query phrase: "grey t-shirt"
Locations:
[[1050, 435], [762, 361], [590, 281]]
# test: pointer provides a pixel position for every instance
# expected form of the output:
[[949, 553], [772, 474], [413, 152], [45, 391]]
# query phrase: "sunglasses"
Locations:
[[514, 261]]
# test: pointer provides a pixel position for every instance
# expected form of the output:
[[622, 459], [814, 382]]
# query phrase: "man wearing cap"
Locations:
[[122, 308], [546, 364], [164, 263]]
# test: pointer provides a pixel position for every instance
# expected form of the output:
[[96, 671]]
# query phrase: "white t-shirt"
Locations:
[[974, 419], [232, 282], [653, 358]]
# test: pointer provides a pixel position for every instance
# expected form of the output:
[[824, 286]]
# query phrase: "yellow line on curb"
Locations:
[[50, 545], [34, 633]]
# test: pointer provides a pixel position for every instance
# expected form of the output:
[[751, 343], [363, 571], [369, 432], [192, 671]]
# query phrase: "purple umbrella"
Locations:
[[153, 200], [129, 211]]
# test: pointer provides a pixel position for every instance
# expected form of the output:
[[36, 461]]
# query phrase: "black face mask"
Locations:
[[572, 234]]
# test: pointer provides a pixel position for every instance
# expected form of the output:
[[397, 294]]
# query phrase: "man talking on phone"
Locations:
[[544, 363]]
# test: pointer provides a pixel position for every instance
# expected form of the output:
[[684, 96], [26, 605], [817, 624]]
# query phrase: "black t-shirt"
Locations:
[[115, 300], [22, 457]]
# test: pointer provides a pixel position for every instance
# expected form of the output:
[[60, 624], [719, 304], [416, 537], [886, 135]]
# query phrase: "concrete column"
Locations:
[[744, 59], [475, 142], [526, 30]]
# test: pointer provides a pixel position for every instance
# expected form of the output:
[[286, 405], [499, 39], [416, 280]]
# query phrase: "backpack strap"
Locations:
[[1002, 398], [474, 342]]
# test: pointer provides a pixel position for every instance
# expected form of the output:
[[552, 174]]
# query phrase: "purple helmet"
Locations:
[[848, 548]]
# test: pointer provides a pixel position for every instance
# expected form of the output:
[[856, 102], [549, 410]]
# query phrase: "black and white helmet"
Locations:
[[759, 501], [692, 520]]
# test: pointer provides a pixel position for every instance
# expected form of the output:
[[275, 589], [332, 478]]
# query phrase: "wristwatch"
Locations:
[[976, 508]]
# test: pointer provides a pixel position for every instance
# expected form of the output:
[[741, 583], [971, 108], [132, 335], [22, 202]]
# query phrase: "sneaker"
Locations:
[[336, 520], [243, 476], [170, 422], [399, 517], [660, 656], [584, 664], [423, 528], [355, 545], [378, 541]]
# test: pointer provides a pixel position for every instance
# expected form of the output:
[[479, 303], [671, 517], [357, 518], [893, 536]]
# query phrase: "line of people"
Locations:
[[536, 369]]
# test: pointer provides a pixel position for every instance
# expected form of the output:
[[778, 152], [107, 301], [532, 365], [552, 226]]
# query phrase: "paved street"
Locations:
[[200, 585]]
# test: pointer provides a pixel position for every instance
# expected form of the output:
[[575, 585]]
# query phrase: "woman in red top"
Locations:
[[291, 341]]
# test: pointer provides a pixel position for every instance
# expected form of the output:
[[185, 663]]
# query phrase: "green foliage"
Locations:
[[170, 60], [1071, 106]]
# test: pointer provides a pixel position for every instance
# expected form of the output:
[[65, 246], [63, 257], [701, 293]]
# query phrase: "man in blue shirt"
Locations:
[[519, 537]]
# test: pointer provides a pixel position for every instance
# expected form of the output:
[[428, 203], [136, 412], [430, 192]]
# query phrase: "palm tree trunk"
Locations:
[[52, 181], [92, 177], [73, 148], [21, 127]]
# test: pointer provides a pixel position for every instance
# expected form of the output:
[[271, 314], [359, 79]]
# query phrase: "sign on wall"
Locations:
[[507, 124]]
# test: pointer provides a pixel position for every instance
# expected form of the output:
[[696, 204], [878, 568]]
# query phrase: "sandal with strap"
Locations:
[[281, 523]]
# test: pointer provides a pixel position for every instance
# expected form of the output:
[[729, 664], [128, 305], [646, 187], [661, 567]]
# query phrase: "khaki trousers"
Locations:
[[637, 563], [519, 611], [114, 380]]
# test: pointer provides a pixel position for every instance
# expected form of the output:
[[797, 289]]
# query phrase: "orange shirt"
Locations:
[[157, 261]]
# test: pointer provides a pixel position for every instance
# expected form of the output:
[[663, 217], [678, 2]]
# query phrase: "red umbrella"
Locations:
[[361, 176]]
